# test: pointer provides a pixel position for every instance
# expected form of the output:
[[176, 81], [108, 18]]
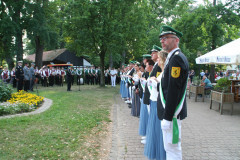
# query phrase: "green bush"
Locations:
[[5, 91], [223, 85], [196, 81]]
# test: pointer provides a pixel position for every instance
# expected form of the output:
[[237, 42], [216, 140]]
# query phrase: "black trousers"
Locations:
[[69, 84], [26, 85], [51, 80], [46, 82], [78, 79], [20, 84]]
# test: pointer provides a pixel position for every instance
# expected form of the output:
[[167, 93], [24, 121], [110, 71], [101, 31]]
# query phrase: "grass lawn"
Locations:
[[70, 129]]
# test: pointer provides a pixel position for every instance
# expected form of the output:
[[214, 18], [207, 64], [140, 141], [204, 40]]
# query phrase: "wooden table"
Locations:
[[197, 90], [234, 83]]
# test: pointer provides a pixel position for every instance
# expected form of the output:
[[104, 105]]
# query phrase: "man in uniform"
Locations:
[[32, 76], [172, 104], [79, 73], [87, 76], [19, 76], [69, 78], [26, 71], [98, 75]]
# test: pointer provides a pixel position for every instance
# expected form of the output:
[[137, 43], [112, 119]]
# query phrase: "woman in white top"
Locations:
[[154, 148], [135, 110]]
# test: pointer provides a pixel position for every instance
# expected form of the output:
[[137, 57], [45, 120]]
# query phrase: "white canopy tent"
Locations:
[[226, 54]]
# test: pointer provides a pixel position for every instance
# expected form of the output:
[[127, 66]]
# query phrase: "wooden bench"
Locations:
[[222, 98], [197, 90]]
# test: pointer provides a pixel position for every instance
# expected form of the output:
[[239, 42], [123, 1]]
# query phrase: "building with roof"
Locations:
[[61, 56]]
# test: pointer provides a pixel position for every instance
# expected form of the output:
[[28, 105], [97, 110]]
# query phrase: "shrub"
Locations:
[[5, 91], [223, 85], [196, 81]]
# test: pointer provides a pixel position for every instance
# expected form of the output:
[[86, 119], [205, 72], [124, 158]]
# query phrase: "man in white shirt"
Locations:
[[113, 74]]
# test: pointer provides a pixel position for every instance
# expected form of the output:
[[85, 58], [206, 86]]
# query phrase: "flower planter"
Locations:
[[222, 98], [196, 90]]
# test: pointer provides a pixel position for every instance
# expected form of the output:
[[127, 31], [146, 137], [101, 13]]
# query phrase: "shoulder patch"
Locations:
[[175, 73]]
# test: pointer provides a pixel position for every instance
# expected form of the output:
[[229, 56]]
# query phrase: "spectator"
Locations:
[[206, 83], [202, 74], [207, 73], [191, 75], [221, 73]]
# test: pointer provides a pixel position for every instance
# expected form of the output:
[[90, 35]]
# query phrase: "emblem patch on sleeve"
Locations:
[[175, 73]]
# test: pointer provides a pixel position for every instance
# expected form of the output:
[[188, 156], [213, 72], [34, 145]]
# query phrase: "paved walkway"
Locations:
[[206, 134]]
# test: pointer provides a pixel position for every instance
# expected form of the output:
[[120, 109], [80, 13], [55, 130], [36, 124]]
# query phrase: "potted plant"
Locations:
[[222, 93], [196, 81]]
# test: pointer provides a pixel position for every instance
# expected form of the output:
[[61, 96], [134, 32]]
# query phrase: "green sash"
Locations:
[[175, 137]]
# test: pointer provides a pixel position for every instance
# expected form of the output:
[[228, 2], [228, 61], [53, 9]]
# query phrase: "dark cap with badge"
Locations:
[[156, 48], [169, 30], [146, 56], [132, 62]]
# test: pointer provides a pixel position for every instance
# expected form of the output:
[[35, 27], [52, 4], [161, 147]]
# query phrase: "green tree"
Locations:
[[8, 30], [213, 26], [101, 28], [41, 27]]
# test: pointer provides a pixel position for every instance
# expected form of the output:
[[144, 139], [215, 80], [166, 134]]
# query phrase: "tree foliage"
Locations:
[[100, 28]]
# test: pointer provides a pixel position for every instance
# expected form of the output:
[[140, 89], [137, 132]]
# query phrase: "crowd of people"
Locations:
[[24, 77], [205, 77], [155, 90]]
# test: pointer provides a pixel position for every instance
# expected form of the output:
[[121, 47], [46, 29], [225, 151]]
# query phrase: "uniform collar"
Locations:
[[169, 56]]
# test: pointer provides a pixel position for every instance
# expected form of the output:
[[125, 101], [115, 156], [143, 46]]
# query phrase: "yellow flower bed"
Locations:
[[25, 97]]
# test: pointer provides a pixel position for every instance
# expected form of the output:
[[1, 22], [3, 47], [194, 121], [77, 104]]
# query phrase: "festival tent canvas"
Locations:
[[226, 54]]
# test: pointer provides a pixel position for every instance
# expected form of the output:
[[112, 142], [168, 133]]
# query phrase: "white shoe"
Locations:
[[127, 101], [143, 141], [144, 137]]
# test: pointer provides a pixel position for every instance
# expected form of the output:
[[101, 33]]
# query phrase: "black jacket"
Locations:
[[145, 75], [174, 85], [131, 74], [19, 74], [69, 75]]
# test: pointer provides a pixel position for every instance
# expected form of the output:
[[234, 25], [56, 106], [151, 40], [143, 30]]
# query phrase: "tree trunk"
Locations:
[[39, 52], [110, 60], [18, 41], [102, 66], [19, 44], [123, 58], [10, 62]]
